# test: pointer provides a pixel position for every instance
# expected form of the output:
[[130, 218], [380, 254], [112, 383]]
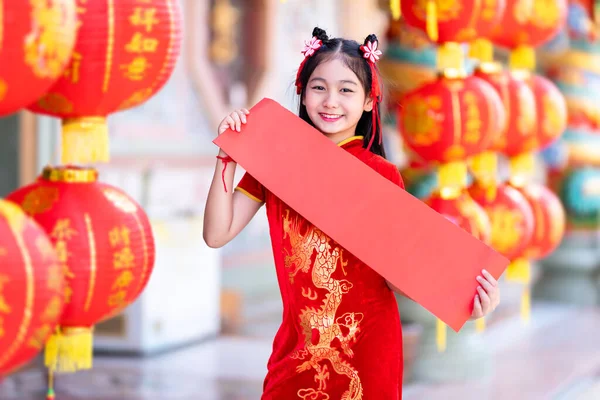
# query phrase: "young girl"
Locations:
[[341, 335]]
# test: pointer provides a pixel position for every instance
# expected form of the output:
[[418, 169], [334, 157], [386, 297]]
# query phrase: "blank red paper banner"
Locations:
[[420, 252]]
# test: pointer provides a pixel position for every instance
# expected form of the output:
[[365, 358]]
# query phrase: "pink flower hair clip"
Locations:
[[370, 51], [311, 46]]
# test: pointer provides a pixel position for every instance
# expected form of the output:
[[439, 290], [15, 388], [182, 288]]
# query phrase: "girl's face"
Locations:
[[335, 100]]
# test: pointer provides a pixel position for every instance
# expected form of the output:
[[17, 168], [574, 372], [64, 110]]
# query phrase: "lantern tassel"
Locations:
[[395, 8], [480, 325], [519, 271], [441, 335], [482, 50], [84, 140], [523, 57], [69, 350], [50, 394], [452, 179], [521, 169], [432, 22], [484, 167]]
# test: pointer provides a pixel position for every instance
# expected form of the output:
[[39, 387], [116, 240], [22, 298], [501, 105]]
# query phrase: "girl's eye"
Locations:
[[318, 88], [346, 90]]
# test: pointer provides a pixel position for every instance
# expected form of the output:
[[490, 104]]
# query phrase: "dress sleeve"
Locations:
[[390, 171], [251, 188]]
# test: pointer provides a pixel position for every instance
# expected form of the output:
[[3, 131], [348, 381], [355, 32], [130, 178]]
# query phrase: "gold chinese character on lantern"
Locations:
[[420, 123], [145, 17], [4, 307], [72, 72], [135, 69], [123, 280], [38, 339], [141, 44], [473, 119], [506, 228], [117, 299], [119, 236], [123, 259], [62, 230]]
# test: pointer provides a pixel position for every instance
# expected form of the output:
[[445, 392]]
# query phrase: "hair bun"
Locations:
[[320, 34], [371, 38]]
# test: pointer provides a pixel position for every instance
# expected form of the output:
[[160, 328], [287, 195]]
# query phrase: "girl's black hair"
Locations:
[[349, 52]]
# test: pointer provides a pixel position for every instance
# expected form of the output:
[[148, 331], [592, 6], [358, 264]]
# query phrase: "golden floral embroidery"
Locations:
[[323, 319]]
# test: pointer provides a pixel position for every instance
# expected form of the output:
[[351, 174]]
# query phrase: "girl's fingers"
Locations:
[[242, 116], [477, 311], [245, 111], [231, 122], [487, 285], [489, 278], [238, 122], [485, 300]]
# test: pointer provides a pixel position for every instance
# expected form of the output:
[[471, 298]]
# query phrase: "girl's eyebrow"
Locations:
[[341, 81]]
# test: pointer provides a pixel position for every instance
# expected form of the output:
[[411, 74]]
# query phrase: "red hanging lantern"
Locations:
[[519, 102], [463, 211], [31, 285], [453, 21], [527, 24], [36, 41], [511, 219], [125, 52], [549, 220], [518, 133], [551, 108], [448, 120], [105, 247]]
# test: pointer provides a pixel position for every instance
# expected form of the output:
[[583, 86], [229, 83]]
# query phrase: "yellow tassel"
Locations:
[[523, 57], [69, 350], [526, 305], [484, 167], [480, 325], [84, 140], [482, 50], [396, 9], [519, 271], [450, 56], [431, 20], [441, 335], [522, 169], [452, 179]]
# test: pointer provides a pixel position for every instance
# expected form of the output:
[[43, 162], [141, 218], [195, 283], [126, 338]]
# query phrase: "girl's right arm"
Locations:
[[227, 212]]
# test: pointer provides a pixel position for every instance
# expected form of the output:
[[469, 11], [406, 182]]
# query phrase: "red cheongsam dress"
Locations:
[[340, 338]]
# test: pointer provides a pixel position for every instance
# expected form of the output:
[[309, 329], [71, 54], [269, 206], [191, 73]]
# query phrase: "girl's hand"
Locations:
[[233, 121], [487, 297]]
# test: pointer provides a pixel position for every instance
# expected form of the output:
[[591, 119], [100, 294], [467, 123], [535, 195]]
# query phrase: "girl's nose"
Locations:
[[330, 101]]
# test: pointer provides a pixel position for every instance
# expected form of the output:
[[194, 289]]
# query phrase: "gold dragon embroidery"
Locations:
[[323, 319]]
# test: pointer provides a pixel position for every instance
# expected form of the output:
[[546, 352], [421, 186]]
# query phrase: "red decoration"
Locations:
[[454, 20], [511, 219], [451, 119], [463, 211], [551, 109], [105, 247], [36, 37], [31, 285], [125, 52], [529, 22], [549, 220], [520, 105]]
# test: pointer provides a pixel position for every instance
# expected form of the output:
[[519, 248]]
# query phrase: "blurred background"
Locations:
[[512, 156]]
